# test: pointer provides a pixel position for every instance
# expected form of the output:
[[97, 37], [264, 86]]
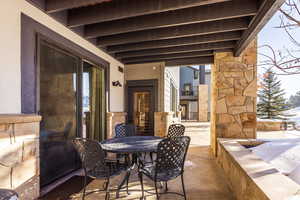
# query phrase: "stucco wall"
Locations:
[[10, 50], [148, 71]]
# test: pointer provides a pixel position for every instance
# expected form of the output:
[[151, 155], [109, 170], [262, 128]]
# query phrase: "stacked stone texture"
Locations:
[[234, 93], [19, 155]]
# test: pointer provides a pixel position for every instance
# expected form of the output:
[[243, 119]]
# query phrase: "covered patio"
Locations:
[[70, 66], [203, 178]]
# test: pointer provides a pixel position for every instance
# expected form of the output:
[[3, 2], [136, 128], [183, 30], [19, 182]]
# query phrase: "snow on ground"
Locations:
[[295, 114], [283, 155]]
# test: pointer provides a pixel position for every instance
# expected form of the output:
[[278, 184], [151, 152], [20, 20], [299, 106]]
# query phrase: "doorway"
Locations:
[[141, 105]]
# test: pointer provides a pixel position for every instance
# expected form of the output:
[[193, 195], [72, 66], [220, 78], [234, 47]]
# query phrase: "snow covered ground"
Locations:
[[295, 115], [283, 155]]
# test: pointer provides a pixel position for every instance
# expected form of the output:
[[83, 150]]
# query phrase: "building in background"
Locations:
[[194, 92]]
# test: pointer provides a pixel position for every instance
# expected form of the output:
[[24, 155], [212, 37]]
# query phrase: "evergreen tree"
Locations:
[[295, 100], [271, 104]]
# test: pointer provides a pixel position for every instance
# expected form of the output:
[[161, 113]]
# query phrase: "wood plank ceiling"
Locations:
[[179, 32]]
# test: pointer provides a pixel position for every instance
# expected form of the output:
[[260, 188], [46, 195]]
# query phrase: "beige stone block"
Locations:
[[30, 149], [6, 131], [238, 92], [11, 154], [251, 89], [250, 104], [222, 82], [226, 92], [235, 100], [233, 74], [225, 119], [234, 130], [233, 67], [249, 75], [221, 106], [240, 83], [23, 172], [26, 131], [233, 110], [5, 173]]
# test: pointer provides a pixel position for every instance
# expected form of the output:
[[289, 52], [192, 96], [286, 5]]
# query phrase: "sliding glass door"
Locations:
[[93, 101], [71, 103]]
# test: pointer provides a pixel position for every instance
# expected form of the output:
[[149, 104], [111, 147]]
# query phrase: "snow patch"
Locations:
[[283, 155]]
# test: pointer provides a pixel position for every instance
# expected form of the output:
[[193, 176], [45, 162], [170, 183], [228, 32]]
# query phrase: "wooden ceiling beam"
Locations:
[[190, 61], [60, 5], [226, 10], [167, 56], [179, 49], [120, 9], [181, 61], [176, 32], [198, 39], [265, 12]]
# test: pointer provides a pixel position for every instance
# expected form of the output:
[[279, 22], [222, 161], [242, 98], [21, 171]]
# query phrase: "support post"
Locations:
[[234, 88]]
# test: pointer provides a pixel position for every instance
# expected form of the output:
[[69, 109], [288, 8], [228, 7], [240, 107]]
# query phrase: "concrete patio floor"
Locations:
[[203, 179]]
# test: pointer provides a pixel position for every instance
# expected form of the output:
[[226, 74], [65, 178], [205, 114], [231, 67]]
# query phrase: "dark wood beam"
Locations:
[[199, 39], [180, 61], [190, 61], [167, 56], [60, 5], [265, 12], [121, 9], [213, 12], [176, 32], [179, 49]]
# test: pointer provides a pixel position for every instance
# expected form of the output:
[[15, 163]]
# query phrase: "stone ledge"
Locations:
[[19, 118], [250, 177]]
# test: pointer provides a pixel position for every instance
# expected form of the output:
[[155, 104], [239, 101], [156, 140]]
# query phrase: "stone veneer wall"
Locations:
[[251, 178], [203, 103], [19, 154], [162, 121], [234, 88], [114, 118]]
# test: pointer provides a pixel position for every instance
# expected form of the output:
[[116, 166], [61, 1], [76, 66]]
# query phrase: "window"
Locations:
[[187, 87], [173, 99], [196, 74]]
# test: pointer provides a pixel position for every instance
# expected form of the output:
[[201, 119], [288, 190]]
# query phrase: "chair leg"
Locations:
[[107, 190], [156, 190], [183, 188], [84, 187], [142, 184], [166, 189], [127, 182], [151, 157]]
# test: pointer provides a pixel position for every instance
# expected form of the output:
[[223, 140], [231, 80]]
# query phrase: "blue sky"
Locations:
[[278, 39]]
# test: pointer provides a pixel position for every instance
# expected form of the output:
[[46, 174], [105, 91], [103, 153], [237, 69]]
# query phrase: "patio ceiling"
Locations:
[[175, 31]]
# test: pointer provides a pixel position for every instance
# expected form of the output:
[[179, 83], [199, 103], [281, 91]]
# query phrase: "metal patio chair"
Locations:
[[95, 165], [125, 130], [176, 130], [169, 164]]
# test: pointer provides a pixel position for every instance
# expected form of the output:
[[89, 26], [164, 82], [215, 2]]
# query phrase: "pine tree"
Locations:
[[295, 100], [272, 103]]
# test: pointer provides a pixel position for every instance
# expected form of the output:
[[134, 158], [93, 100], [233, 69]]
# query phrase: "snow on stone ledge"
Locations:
[[283, 155]]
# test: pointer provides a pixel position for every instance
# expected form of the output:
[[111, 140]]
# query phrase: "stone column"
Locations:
[[203, 103], [114, 118], [234, 88], [162, 121]]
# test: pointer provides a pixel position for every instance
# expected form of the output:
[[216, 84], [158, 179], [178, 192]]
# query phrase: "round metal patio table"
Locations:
[[130, 145]]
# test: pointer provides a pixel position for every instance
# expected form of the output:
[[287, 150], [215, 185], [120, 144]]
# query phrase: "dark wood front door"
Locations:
[[141, 107]]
